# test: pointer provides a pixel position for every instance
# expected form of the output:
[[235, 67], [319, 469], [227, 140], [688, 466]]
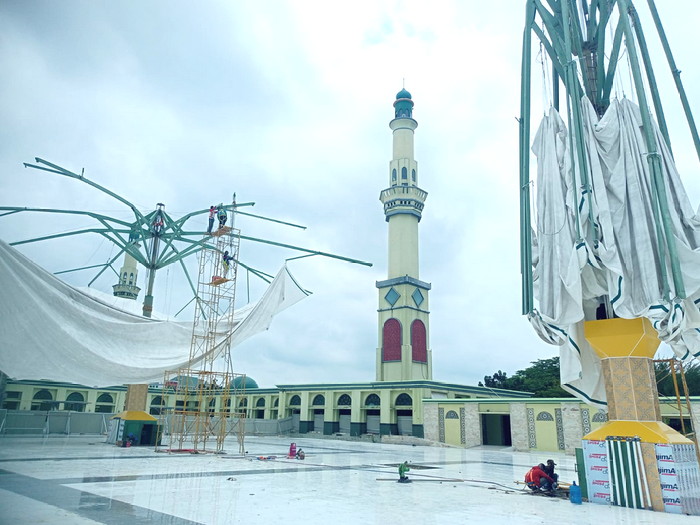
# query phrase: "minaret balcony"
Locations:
[[403, 199]]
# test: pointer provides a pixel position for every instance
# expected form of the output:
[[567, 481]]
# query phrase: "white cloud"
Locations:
[[287, 104]]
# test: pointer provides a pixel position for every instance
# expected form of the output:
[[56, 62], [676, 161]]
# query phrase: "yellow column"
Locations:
[[626, 348]]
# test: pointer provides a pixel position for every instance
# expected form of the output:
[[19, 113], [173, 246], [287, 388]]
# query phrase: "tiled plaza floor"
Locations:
[[81, 480]]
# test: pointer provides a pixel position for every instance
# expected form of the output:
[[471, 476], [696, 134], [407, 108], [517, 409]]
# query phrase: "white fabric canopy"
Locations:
[[50, 330], [613, 247]]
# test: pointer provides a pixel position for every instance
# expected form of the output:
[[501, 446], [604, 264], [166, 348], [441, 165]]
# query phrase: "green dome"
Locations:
[[249, 383], [403, 94]]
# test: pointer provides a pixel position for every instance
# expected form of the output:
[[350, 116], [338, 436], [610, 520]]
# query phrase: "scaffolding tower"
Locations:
[[198, 407]]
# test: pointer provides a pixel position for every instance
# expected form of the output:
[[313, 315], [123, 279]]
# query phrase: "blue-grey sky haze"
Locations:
[[288, 104]]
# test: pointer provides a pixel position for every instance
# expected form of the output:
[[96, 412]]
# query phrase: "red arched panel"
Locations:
[[419, 342], [391, 340]]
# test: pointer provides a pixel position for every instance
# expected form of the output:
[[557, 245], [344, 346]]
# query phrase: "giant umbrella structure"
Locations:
[[155, 240], [611, 252]]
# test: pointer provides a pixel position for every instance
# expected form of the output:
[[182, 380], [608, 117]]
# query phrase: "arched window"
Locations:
[[451, 414], [544, 416], [260, 402], [105, 403], [276, 403], [105, 398], [404, 400], [319, 400], [344, 400], [372, 400], [131, 279], [391, 340], [156, 406], [404, 173], [243, 402], [393, 176], [74, 402], [295, 401], [413, 175], [419, 343], [41, 400]]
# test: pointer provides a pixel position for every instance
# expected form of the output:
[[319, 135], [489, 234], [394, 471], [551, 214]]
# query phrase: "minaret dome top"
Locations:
[[403, 106]]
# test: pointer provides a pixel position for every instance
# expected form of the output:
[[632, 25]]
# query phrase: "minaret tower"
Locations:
[[126, 287], [403, 353]]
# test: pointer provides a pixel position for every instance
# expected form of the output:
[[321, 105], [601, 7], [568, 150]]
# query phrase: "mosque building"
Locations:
[[403, 400]]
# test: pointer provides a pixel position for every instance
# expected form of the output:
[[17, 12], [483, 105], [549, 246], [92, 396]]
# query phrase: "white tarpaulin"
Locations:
[[50, 330], [605, 242]]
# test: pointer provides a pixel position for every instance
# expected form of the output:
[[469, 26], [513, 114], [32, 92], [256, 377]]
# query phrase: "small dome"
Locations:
[[249, 382], [403, 94]]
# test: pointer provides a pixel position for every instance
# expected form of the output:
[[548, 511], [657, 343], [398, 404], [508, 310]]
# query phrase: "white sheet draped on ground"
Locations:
[[50, 330], [614, 249]]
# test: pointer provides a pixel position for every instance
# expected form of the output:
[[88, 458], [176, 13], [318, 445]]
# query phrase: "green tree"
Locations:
[[542, 379], [497, 380], [664, 380]]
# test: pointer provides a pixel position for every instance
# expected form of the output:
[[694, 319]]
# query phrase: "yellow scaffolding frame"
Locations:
[[196, 411]]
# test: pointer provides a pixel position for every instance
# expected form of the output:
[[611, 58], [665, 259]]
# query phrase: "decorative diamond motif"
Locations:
[[417, 297], [392, 296]]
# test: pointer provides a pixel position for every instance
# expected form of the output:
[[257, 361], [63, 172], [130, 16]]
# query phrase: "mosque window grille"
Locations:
[[531, 432], [75, 402], [391, 340], [12, 400], [419, 342], [295, 401], [104, 403], [42, 400], [600, 417], [403, 400], [156, 406], [585, 421], [344, 400], [545, 416], [319, 400], [451, 414], [372, 401]]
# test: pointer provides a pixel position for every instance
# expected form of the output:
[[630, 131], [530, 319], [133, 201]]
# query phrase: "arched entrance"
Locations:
[[344, 403], [372, 404], [318, 403], [404, 414]]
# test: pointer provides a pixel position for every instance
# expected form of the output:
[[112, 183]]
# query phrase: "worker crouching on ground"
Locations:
[[403, 468], [549, 470], [537, 479]]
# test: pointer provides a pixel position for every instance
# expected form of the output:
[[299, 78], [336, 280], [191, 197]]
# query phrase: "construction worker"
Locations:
[[537, 479], [222, 215], [549, 470], [403, 468], [212, 216], [226, 262]]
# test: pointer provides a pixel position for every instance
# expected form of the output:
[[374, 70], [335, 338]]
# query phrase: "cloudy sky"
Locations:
[[288, 104]]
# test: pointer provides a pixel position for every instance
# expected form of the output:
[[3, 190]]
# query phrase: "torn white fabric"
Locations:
[[603, 239], [50, 330]]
